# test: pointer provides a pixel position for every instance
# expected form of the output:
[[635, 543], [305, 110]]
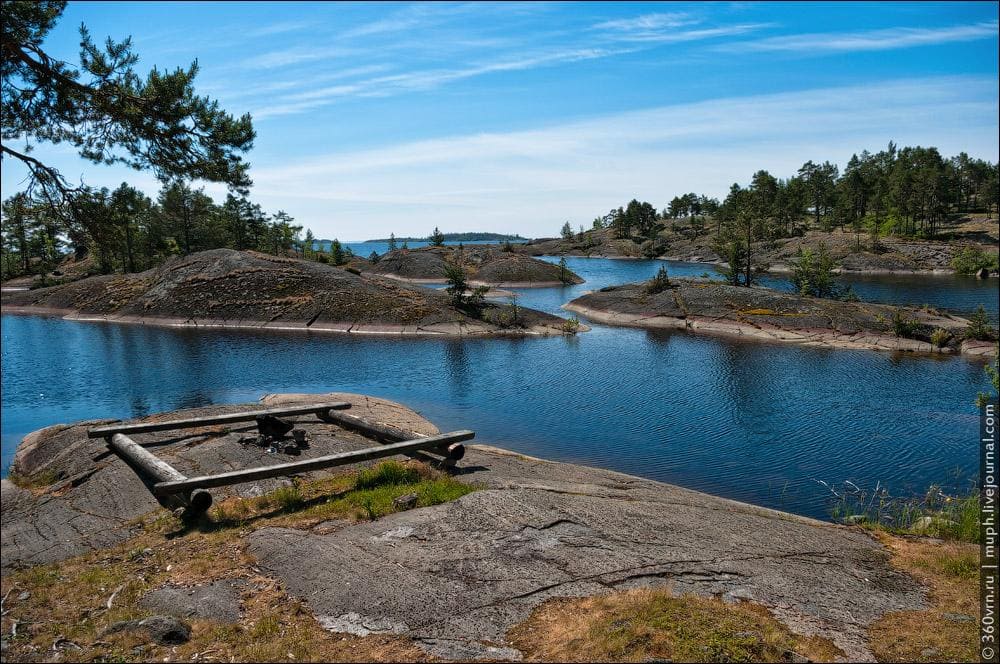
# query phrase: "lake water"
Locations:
[[746, 420]]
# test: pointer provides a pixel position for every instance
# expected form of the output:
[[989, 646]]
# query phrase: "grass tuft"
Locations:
[[654, 625], [935, 514]]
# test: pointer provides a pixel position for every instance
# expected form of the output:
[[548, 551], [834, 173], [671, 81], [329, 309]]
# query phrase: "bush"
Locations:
[[903, 326], [571, 325], [979, 326], [940, 337], [994, 374], [812, 273], [457, 285], [659, 283], [972, 259]]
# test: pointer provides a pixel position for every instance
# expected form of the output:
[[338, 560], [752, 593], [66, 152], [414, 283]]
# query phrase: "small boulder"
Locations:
[[405, 502], [983, 273], [931, 523]]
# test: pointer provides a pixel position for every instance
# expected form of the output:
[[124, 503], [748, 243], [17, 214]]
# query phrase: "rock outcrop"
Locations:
[[770, 315], [455, 577], [681, 241], [227, 288], [482, 265]]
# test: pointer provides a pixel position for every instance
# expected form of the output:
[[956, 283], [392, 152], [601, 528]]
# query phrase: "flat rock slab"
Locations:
[[90, 499], [456, 577], [219, 600]]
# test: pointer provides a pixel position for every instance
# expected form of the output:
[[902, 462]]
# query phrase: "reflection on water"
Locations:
[[747, 420]]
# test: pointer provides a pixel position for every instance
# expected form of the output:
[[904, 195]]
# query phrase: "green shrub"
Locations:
[[812, 273], [659, 283], [972, 259], [940, 337], [902, 326], [571, 325], [979, 326]]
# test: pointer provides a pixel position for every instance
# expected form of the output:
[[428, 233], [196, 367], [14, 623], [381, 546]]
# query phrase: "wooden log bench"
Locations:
[[173, 488], [210, 420]]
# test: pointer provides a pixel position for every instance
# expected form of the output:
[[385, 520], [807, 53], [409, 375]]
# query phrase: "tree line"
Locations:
[[124, 230], [906, 192]]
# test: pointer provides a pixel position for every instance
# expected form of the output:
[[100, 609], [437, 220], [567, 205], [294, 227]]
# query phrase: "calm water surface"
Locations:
[[746, 420]]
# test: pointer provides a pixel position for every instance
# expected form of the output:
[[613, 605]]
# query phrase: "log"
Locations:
[[168, 487], [153, 470], [246, 416], [385, 432]]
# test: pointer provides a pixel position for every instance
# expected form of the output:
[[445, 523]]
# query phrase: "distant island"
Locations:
[[461, 237]]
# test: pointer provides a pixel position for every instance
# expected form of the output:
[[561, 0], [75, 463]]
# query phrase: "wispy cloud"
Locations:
[[662, 28], [297, 55], [647, 22], [676, 36], [419, 80], [410, 18], [532, 180], [871, 40], [279, 28]]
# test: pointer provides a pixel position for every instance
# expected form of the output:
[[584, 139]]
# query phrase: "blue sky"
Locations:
[[377, 118]]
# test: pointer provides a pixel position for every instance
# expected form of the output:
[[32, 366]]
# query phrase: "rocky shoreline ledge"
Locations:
[[769, 315], [223, 288], [449, 580]]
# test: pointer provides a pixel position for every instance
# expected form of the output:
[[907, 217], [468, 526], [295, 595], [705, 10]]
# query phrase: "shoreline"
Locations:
[[768, 333], [781, 269], [522, 537], [443, 330], [475, 283]]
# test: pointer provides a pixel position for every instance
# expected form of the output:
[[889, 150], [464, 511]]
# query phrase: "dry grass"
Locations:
[[67, 612], [646, 625], [948, 630]]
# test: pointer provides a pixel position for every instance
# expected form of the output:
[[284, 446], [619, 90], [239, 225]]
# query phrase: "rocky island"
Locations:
[[484, 265], [683, 240], [248, 289], [704, 306], [492, 560]]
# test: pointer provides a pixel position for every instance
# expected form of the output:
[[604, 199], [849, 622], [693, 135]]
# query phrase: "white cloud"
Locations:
[[389, 85], [647, 22], [279, 28], [667, 37], [872, 40], [531, 181]]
